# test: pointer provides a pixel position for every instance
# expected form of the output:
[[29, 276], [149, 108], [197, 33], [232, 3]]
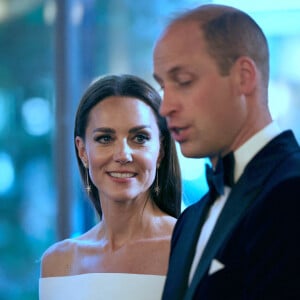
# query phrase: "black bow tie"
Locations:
[[222, 175]]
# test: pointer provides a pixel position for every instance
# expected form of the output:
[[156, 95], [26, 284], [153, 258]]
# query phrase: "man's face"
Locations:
[[201, 106]]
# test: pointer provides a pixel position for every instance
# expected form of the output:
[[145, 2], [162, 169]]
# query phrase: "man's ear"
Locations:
[[247, 73]]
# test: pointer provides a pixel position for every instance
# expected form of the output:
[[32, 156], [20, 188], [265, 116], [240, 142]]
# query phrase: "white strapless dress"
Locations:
[[96, 286]]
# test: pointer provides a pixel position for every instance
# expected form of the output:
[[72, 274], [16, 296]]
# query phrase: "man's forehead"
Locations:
[[179, 28], [178, 40]]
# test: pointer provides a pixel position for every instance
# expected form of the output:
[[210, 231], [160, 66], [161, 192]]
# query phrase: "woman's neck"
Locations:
[[124, 223]]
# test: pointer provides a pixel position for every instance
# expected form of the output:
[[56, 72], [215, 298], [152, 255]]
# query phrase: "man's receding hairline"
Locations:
[[207, 12]]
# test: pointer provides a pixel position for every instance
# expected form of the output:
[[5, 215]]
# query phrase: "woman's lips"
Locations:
[[122, 174]]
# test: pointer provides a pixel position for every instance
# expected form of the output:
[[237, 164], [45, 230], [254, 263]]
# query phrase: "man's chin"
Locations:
[[187, 151]]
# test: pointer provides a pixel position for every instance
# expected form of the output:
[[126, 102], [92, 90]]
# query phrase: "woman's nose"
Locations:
[[123, 153]]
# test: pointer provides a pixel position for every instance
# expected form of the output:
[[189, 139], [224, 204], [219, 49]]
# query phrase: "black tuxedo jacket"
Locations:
[[256, 240]]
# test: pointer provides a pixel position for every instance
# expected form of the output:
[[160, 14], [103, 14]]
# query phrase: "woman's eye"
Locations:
[[104, 139], [141, 138]]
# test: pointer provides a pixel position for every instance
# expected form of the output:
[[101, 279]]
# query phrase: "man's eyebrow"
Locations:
[[175, 70], [171, 72]]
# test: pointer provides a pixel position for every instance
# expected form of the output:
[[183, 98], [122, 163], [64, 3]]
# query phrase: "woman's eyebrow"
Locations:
[[137, 128], [104, 129]]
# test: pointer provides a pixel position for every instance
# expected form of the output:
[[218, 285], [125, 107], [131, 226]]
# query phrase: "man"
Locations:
[[213, 65]]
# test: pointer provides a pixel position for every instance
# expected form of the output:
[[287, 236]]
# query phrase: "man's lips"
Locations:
[[178, 133]]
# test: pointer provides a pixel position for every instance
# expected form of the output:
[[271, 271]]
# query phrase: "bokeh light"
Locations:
[[37, 116], [7, 172]]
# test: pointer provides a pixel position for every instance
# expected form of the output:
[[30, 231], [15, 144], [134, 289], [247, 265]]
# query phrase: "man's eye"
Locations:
[[185, 83]]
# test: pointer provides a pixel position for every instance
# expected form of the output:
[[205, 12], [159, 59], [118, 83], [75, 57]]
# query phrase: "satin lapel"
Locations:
[[232, 212], [183, 252], [241, 196]]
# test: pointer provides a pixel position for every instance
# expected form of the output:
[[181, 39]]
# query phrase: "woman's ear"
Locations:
[[80, 145], [247, 73]]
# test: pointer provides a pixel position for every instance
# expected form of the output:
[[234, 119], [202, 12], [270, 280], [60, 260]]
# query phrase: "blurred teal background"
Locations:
[[49, 52]]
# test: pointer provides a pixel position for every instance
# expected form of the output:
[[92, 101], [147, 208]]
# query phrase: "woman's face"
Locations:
[[121, 147]]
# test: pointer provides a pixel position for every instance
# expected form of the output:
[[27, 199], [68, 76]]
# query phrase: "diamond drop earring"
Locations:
[[88, 186], [157, 188]]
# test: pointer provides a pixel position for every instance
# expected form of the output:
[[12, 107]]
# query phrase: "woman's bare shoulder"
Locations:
[[59, 258], [56, 260], [169, 221], [60, 248], [164, 225]]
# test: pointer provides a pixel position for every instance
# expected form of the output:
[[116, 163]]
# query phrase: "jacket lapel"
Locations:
[[184, 242]]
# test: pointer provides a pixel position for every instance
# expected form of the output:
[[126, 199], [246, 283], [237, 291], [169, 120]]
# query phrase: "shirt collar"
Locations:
[[248, 150]]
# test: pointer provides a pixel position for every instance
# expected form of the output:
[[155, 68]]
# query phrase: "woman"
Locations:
[[128, 163]]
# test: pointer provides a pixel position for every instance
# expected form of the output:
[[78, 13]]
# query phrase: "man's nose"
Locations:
[[168, 104], [123, 152]]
